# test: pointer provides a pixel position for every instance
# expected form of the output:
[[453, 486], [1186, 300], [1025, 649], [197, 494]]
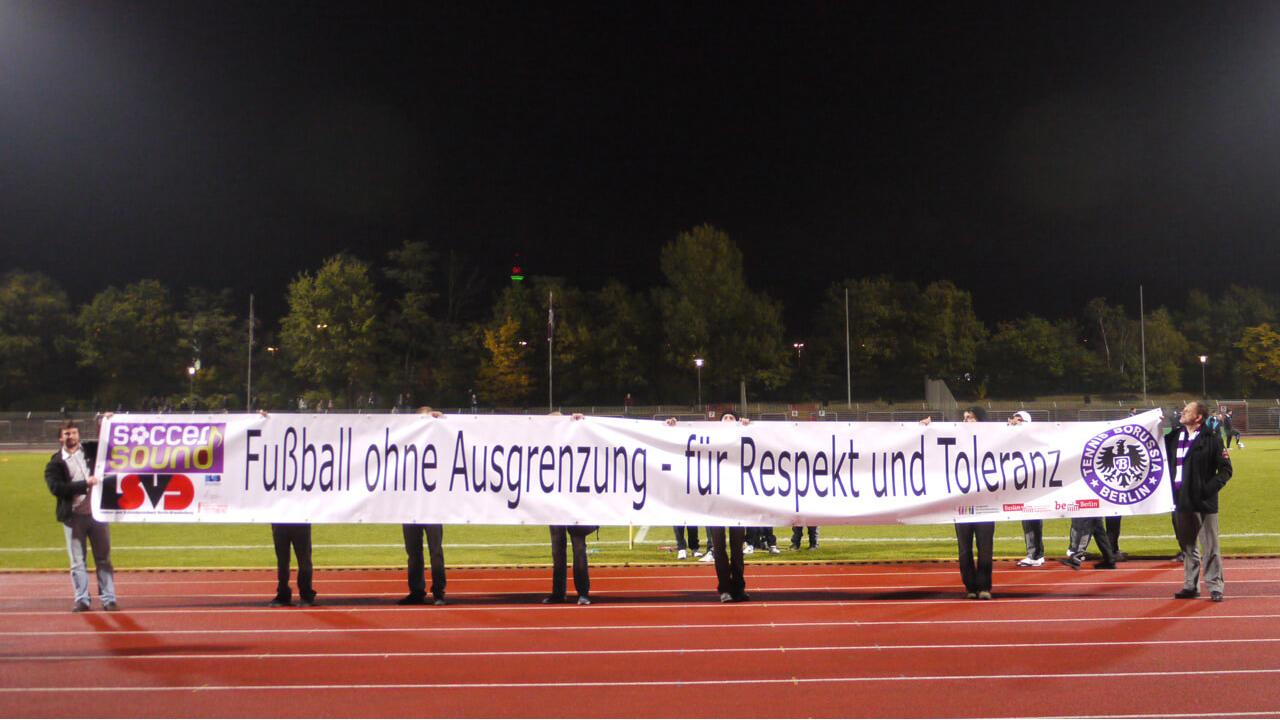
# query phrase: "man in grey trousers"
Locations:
[[1200, 468], [69, 475]]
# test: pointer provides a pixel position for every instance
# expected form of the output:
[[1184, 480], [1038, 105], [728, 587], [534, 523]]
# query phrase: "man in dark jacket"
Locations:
[[69, 475], [1199, 468]]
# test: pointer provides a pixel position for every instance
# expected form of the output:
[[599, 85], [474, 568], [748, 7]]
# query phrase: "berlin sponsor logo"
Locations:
[[1012, 507], [1123, 465]]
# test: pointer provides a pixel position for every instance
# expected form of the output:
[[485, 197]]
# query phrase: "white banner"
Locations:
[[608, 471]]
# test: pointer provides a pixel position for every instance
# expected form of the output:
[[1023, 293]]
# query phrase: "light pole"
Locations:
[[697, 362], [191, 381], [799, 346], [1203, 360]]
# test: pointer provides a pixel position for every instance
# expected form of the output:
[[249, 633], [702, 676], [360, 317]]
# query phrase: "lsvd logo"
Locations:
[[156, 492]]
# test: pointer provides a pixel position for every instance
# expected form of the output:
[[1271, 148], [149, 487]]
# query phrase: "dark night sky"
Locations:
[[1037, 153]]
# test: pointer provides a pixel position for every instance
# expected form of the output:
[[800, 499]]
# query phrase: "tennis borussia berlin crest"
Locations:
[[1123, 465]]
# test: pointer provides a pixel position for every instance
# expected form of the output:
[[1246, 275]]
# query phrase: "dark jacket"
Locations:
[[1205, 471], [58, 477]]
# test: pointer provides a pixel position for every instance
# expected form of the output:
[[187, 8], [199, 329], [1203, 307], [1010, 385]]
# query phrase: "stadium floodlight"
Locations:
[[1204, 360], [697, 362]]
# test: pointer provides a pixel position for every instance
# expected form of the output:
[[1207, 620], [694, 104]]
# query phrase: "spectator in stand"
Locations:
[[69, 475], [1032, 530], [1200, 467]]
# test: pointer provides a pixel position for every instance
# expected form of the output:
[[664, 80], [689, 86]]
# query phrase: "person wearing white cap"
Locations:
[[1032, 530]]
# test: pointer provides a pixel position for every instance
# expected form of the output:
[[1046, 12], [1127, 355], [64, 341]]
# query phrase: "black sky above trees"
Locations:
[[1038, 154]]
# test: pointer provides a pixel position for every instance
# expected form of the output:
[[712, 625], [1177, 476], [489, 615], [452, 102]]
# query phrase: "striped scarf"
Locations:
[[1185, 440]]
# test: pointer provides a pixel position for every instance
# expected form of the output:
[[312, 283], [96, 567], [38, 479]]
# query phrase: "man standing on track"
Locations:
[[1032, 530], [731, 582], [577, 535], [69, 475], [413, 533], [1200, 467], [976, 575]]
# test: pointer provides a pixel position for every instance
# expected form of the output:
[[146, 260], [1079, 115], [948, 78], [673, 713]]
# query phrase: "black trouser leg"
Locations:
[[417, 564], [559, 563], [729, 562], [797, 533], [679, 532], [581, 575], [1113, 532], [302, 550], [435, 547], [280, 539], [964, 543], [985, 536], [813, 536]]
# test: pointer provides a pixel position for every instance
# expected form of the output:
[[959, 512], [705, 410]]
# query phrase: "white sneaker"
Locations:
[[708, 556], [726, 598], [773, 550], [682, 554], [1240, 445], [1030, 562], [747, 549]]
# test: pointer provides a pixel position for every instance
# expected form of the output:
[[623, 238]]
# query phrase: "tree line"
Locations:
[[415, 328]]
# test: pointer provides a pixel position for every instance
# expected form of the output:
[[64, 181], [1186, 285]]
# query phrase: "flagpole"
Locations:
[[248, 381], [848, 361], [1142, 324], [551, 333]]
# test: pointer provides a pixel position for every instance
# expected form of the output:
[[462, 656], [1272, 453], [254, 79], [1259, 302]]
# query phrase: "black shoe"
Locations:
[[278, 601], [412, 599], [741, 597], [307, 602], [1215, 596], [80, 606], [1121, 556], [1104, 566], [1070, 562], [1180, 557], [438, 601], [1185, 594], [553, 599], [814, 546], [795, 546]]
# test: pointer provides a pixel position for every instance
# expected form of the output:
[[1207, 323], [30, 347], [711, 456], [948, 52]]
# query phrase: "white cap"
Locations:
[[1026, 416]]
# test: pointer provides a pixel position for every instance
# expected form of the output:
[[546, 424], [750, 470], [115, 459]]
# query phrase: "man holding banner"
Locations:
[[70, 475], [413, 533], [1200, 468]]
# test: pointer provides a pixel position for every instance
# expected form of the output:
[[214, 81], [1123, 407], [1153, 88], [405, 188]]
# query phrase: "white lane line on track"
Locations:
[[72, 688], [331, 577], [649, 651], [620, 605], [648, 627], [392, 546], [1242, 713], [947, 587]]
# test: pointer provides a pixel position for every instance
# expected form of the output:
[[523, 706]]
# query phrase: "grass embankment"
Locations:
[[31, 538]]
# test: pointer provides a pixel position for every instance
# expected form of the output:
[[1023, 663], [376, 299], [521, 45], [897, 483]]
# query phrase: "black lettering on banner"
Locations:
[[250, 457]]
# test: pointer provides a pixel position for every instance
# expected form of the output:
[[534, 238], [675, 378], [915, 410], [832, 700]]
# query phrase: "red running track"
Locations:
[[832, 640]]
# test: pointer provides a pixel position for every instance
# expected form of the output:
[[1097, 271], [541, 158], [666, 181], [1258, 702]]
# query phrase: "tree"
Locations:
[[209, 333], [129, 338], [35, 340], [1025, 357], [504, 373], [331, 331], [709, 312], [414, 330], [948, 331], [1260, 354]]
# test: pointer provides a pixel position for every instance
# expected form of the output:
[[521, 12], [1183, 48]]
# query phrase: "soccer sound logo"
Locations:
[[1123, 465], [150, 466]]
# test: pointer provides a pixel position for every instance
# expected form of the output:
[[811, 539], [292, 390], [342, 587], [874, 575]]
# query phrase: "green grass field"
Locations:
[[32, 538]]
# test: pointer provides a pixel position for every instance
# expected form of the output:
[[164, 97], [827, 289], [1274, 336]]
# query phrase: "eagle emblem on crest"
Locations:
[[1122, 464]]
